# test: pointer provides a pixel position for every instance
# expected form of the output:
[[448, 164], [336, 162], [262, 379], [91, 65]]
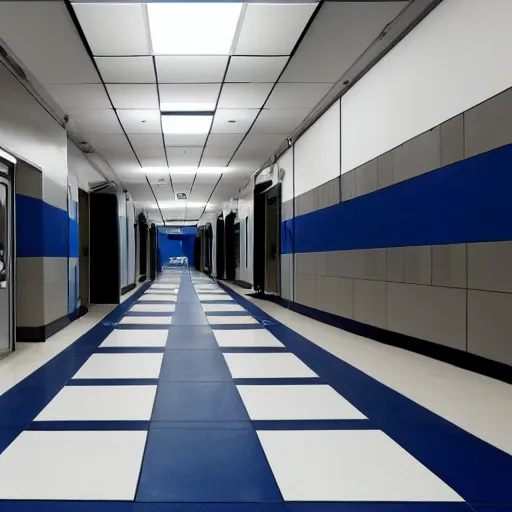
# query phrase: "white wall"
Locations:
[[453, 60], [317, 152], [285, 163]]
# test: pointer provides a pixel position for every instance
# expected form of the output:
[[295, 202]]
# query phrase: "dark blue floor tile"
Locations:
[[376, 507], [198, 401], [191, 337], [194, 366], [66, 506], [205, 466], [492, 508], [203, 425], [210, 507], [189, 317], [7, 436]]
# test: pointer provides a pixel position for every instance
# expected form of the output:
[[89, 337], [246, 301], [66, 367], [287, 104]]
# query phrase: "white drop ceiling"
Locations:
[[260, 89]]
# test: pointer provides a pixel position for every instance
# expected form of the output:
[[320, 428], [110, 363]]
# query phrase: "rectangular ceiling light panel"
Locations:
[[186, 124], [193, 28]]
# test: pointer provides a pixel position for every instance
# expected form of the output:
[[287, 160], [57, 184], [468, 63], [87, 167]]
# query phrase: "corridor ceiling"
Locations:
[[195, 96]]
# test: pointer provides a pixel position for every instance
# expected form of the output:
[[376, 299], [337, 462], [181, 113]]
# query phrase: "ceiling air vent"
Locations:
[[181, 196]]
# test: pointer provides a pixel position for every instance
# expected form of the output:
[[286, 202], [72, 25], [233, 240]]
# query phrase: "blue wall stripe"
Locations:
[[468, 201], [41, 229]]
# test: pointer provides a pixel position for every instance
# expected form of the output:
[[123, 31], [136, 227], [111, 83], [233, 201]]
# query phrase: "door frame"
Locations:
[[9, 179]]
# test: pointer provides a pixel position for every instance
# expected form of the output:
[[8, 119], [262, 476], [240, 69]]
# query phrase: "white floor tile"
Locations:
[[164, 287], [246, 338], [241, 320], [315, 402], [219, 297], [152, 308], [222, 307], [155, 297], [150, 320], [257, 366], [136, 338], [100, 403], [121, 366], [348, 465], [72, 465]]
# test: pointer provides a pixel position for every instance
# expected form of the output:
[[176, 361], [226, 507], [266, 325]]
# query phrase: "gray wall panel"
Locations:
[[333, 263], [305, 263], [431, 313], [490, 266], [374, 264], [370, 302], [321, 264], [305, 290], [386, 169], [29, 292], [418, 264], [348, 186], [488, 125], [452, 140], [345, 298], [55, 288], [327, 294], [489, 325], [395, 264], [449, 265], [29, 180], [366, 178], [286, 276]]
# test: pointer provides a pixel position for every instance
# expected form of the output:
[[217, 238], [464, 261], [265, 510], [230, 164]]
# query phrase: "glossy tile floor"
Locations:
[[189, 397]]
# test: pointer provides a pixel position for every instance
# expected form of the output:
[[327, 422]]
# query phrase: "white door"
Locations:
[[6, 262]]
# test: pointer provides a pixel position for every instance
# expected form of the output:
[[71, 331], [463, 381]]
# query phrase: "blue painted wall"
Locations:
[[469, 201], [181, 245]]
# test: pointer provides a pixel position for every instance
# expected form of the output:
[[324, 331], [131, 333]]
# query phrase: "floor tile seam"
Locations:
[[389, 428]]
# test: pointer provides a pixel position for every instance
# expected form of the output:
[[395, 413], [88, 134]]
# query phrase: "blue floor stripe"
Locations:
[[236, 327], [253, 350], [138, 327], [287, 381], [130, 350], [313, 425], [227, 313], [476, 470], [150, 313], [89, 425]]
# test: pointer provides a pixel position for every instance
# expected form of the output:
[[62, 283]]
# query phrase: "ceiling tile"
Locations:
[[184, 156], [296, 96], [340, 33], [201, 191], [205, 179], [162, 182], [279, 120], [214, 161], [174, 97], [79, 97], [255, 69], [182, 182], [113, 29], [146, 140], [96, 121], [191, 69], [185, 140], [152, 157], [141, 121], [126, 70], [228, 141], [243, 120], [272, 29], [244, 95], [35, 32], [259, 145], [114, 146], [133, 96]]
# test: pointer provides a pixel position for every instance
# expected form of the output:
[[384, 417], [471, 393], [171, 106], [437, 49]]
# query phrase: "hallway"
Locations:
[[183, 399]]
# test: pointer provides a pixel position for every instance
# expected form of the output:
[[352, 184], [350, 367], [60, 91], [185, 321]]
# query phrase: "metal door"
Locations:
[[6, 262]]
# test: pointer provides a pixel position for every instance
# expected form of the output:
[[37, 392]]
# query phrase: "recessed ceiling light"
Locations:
[[186, 124], [187, 107], [193, 28]]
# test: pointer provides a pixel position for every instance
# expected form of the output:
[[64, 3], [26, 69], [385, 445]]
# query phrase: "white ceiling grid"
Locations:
[[252, 113]]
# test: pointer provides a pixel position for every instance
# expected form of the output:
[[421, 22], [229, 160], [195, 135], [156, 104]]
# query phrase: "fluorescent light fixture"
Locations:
[[185, 170], [169, 205], [187, 107], [7, 156], [186, 124], [193, 28]]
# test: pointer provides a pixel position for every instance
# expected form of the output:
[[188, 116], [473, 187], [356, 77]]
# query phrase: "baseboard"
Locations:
[[142, 278], [449, 355], [43, 332], [128, 288], [242, 284]]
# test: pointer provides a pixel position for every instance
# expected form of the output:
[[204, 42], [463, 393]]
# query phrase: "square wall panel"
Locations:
[[191, 97], [126, 70], [233, 120], [255, 69], [197, 140], [79, 96], [190, 69], [140, 121], [288, 95], [279, 120], [244, 95], [113, 29], [133, 96], [272, 29], [184, 156]]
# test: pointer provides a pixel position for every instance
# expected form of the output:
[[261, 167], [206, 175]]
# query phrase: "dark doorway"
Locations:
[[83, 247], [153, 252], [143, 247], [104, 249], [219, 248], [229, 244], [267, 215]]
